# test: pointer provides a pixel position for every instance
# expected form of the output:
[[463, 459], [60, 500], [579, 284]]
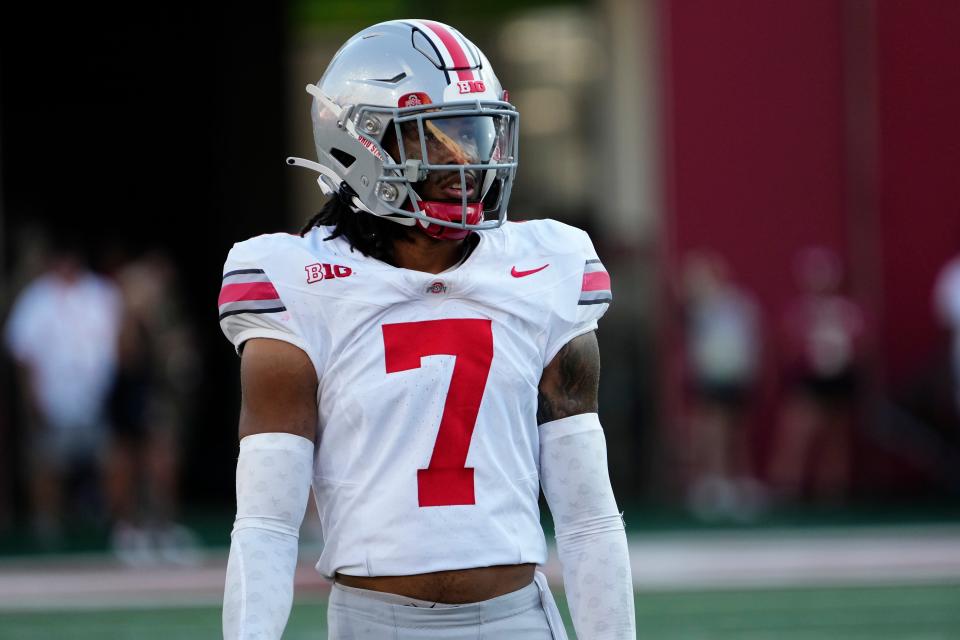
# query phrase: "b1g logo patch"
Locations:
[[471, 86], [322, 271]]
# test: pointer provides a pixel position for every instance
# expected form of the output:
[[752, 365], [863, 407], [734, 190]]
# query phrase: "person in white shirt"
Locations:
[[425, 367], [62, 332], [723, 336]]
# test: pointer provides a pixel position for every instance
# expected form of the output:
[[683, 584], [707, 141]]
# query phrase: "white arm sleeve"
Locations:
[[591, 540], [274, 473]]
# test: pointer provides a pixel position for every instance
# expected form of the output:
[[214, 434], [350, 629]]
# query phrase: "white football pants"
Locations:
[[527, 614]]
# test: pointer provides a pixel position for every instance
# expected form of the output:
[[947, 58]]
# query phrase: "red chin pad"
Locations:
[[452, 212]]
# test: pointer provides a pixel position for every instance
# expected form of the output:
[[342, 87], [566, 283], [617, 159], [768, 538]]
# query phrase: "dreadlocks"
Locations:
[[369, 234]]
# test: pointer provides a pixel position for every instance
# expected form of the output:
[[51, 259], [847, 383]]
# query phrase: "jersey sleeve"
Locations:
[[584, 301], [250, 304]]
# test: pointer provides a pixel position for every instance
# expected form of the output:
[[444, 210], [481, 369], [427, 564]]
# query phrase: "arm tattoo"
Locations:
[[569, 383]]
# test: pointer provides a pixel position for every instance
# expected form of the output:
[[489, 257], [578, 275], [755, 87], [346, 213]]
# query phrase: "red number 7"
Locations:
[[447, 480]]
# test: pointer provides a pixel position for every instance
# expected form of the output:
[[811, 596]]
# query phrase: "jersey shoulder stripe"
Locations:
[[595, 288], [248, 291]]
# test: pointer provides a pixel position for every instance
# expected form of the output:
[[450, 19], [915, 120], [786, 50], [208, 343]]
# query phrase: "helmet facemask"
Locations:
[[454, 168]]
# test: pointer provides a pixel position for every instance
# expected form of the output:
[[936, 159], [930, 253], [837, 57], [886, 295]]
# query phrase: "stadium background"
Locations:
[[748, 128]]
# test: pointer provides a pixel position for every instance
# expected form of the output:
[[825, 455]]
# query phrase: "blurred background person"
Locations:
[[824, 373], [946, 302], [158, 369], [62, 332], [722, 351]]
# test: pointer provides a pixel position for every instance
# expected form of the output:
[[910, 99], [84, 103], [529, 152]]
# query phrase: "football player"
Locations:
[[426, 367]]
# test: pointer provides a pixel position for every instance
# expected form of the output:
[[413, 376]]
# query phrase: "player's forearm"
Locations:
[[591, 541], [258, 593], [597, 581], [273, 483]]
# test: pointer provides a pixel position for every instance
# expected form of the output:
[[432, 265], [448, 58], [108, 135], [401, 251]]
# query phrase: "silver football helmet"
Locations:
[[406, 98]]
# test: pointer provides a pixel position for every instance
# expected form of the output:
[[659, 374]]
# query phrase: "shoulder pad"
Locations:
[[250, 304]]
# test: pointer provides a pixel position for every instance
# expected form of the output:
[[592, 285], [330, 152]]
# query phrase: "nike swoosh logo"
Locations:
[[520, 274]]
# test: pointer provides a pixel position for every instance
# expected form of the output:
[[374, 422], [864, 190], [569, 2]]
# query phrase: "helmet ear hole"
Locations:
[[343, 157], [390, 143]]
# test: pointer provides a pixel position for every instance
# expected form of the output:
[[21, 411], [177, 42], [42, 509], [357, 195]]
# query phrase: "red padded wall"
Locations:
[[753, 110], [919, 117], [753, 142], [802, 122]]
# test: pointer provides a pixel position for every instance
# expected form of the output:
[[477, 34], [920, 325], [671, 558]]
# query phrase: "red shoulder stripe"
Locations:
[[247, 291], [596, 281]]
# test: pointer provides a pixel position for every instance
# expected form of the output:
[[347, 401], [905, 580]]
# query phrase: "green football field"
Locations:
[[929, 612]]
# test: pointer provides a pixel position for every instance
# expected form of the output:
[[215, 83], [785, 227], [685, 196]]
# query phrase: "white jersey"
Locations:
[[67, 331], [428, 449]]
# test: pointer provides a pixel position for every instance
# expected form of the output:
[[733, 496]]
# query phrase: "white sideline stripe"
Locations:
[[709, 560], [790, 559], [112, 586]]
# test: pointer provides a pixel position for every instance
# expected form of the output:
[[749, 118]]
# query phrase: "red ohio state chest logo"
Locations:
[[323, 271]]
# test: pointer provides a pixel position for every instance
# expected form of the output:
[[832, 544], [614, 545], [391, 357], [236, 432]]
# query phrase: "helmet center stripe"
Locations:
[[457, 54]]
